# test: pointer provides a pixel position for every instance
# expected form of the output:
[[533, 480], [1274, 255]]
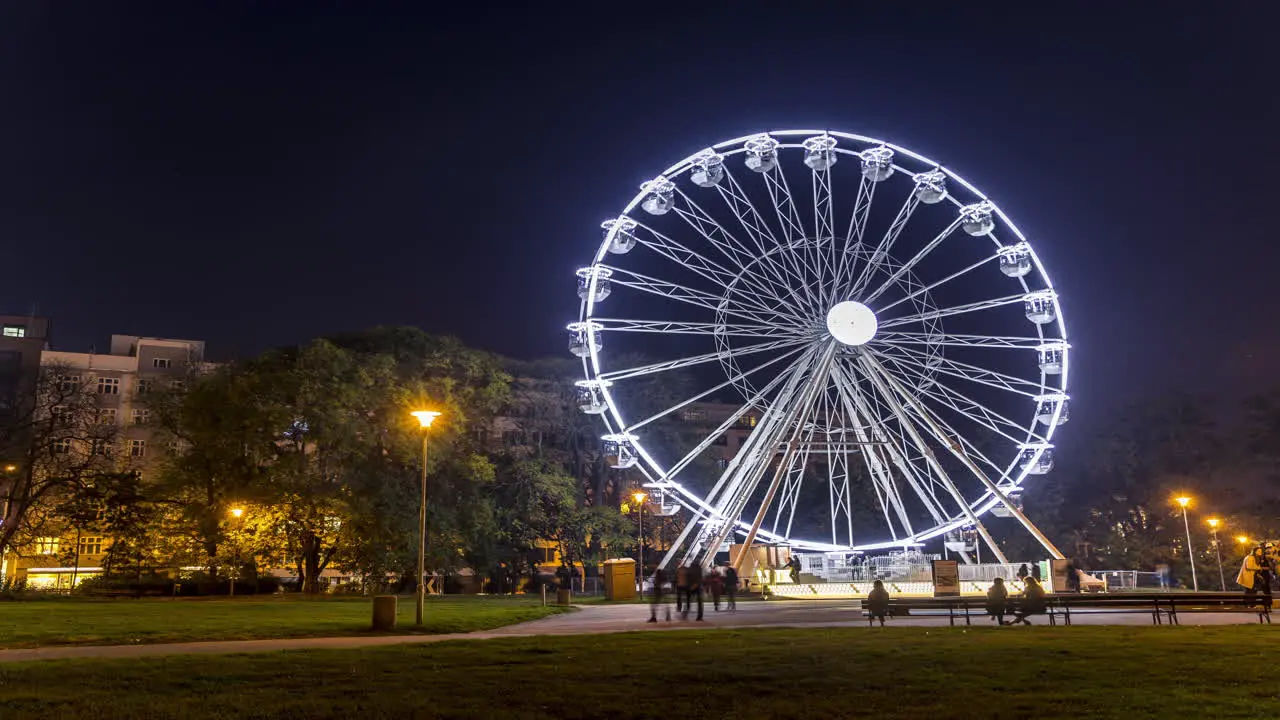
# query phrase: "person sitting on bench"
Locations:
[[997, 600], [1031, 603], [877, 603]]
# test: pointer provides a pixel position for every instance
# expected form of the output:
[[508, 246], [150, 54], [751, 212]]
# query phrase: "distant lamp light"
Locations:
[[237, 512], [1214, 522], [1183, 501], [1242, 539], [425, 417], [639, 497], [10, 468]]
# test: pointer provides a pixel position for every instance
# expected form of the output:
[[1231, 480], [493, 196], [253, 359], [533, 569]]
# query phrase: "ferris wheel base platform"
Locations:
[[860, 590]]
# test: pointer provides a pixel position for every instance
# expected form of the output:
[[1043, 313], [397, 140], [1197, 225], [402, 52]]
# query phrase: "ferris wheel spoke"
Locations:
[[663, 327], [687, 362], [738, 377], [769, 280], [899, 400], [887, 242], [680, 293], [690, 260], [934, 286], [915, 260], [861, 408], [757, 229], [939, 313], [870, 437], [853, 240], [753, 402], [965, 371], [824, 225], [1008, 342]]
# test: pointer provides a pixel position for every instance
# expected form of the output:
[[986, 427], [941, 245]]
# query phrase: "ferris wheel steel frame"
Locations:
[[779, 276]]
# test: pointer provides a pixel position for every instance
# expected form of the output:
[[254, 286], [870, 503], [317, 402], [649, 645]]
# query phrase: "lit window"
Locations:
[[144, 387], [68, 383], [108, 386], [15, 331], [101, 447], [160, 363], [46, 545], [747, 421], [137, 448], [62, 446], [91, 546], [107, 416], [141, 416]]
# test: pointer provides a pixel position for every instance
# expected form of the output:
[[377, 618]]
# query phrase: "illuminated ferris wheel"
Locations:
[[893, 335]]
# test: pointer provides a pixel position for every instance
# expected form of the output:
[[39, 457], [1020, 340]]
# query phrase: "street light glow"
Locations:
[[1183, 501], [425, 417], [1213, 522], [639, 497], [237, 512], [1242, 539]]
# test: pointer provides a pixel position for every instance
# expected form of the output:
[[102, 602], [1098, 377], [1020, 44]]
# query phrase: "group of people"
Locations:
[[720, 582], [1032, 601], [1256, 572]]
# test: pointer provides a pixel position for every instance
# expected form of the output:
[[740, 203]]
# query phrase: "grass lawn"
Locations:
[[1041, 672], [100, 622]]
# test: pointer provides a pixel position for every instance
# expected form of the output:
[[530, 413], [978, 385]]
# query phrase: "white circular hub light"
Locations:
[[852, 323]]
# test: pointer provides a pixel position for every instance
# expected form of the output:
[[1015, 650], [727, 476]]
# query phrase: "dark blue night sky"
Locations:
[[257, 175]]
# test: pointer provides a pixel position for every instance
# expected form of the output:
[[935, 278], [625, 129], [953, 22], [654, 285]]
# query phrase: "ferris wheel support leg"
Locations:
[[969, 463], [818, 383], [878, 380]]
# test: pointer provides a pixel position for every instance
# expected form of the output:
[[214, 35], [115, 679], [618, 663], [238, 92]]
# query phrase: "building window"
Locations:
[[722, 463], [107, 416], [91, 546], [68, 383], [62, 446], [137, 448], [108, 386], [747, 421], [693, 415], [722, 441], [46, 545], [101, 447], [15, 331], [164, 363], [141, 416], [144, 387]]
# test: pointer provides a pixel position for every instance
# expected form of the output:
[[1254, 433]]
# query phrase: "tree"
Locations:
[[54, 442]]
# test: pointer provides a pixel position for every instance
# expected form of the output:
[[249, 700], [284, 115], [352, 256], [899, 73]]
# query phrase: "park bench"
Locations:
[[1162, 607]]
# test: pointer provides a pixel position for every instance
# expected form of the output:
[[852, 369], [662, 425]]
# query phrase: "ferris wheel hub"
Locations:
[[852, 323]]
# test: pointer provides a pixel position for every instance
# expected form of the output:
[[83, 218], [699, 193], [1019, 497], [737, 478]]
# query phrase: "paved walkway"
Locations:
[[599, 619]]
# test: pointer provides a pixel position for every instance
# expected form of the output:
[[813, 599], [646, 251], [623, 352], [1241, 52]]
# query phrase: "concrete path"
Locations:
[[589, 619]]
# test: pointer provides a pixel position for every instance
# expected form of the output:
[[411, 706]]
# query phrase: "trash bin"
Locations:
[[620, 579], [384, 612]]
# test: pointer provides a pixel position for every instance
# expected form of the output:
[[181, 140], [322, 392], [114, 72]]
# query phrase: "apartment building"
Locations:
[[122, 378]]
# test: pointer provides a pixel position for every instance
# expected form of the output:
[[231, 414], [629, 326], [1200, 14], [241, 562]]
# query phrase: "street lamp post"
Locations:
[[1184, 501], [235, 563], [1213, 526], [425, 418], [640, 496]]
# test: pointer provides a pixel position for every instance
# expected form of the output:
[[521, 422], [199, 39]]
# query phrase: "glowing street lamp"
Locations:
[[1184, 501], [640, 496], [236, 512], [1242, 539], [1213, 527], [425, 418]]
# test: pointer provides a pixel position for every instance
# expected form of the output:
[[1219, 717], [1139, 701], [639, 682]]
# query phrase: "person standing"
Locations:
[[731, 586], [715, 585], [1035, 573], [694, 589]]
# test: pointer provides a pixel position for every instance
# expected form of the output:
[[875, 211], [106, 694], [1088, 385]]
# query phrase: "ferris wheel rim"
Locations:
[[614, 417]]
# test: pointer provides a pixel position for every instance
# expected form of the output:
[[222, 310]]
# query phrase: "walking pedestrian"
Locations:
[[659, 590], [682, 587], [731, 586], [715, 586]]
